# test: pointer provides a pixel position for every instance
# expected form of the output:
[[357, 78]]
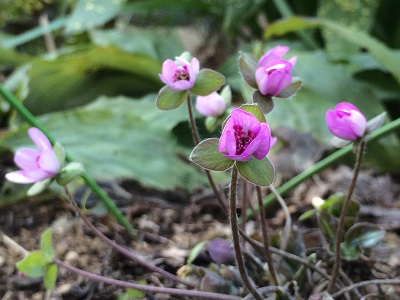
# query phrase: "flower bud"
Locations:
[[212, 105], [346, 121]]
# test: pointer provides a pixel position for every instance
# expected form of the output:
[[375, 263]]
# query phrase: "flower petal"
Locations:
[[246, 120], [168, 71], [39, 138], [27, 159], [212, 105], [274, 53], [266, 142], [25, 177], [194, 69], [181, 85], [48, 161], [346, 106], [278, 81]]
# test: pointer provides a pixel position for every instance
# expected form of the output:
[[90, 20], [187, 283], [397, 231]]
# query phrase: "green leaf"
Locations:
[[33, 265], [88, 14], [70, 172], [207, 156], [83, 75], [59, 152], [207, 81], [357, 15], [195, 252], [46, 244], [248, 67], [349, 252], [255, 110], [226, 94], [292, 89], [364, 235], [38, 187], [266, 103], [50, 276], [307, 215], [375, 122], [167, 99], [328, 225], [259, 172]]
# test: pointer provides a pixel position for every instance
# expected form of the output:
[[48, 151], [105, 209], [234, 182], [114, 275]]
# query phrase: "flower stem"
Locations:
[[340, 229], [121, 249], [145, 288], [322, 164], [264, 229], [196, 138], [30, 118], [235, 236]]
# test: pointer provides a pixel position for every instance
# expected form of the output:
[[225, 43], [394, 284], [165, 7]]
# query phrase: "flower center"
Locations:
[[181, 73], [243, 139]]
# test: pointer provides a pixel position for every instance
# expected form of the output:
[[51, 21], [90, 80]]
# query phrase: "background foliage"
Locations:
[[96, 90]]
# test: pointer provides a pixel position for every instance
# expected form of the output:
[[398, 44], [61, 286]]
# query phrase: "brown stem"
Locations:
[[235, 236], [340, 228], [264, 229], [196, 138], [364, 283], [145, 288], [123, 250]]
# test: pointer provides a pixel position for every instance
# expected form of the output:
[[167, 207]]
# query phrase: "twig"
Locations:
[[146, 288], [235, 236], [364, 283], [288, 218], [123, 250], [13, 245], [340, 228], [264, 230], [196, 139]]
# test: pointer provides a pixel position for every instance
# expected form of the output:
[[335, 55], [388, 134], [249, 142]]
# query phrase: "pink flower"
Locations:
[[35, 165], [273, 77], [180, 75], [244, 136], [273, 54], [346, 121], [212, 105]]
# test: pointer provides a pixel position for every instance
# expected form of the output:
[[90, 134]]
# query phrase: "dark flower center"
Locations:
[[243, 139], [181, 73]]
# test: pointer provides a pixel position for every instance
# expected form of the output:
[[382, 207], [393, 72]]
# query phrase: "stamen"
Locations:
[[243, 139]]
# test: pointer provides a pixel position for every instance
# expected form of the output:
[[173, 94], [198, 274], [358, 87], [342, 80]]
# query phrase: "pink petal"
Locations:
[[168, 70], [212, 105], [24, 177], [346, 106], [252, 147], [181, 85], [227, 143], [27, 159], [293, 60], [246, 120], [262, 80], [278, 81], [39, 138], [274, 53], [48, 161], [266, 142], [194, 69], [358, 123]]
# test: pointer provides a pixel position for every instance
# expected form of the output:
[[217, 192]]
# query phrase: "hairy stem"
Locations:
[[340, 229], [121, 249], [196, 138], [145, 288], [264, 229], [30, 118], [235, 236]]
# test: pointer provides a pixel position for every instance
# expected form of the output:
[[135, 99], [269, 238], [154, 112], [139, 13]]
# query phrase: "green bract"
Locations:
[[207, 156], [207, 81], [167, 99]]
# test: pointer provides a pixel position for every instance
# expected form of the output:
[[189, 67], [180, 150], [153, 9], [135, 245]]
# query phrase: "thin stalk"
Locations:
[[264, 229], [235, 236], [244, 208], [145, 288], [30, 118], [121, 249], [196, 138], [288, 218], [340, 228], [364, 283], [326, 162]]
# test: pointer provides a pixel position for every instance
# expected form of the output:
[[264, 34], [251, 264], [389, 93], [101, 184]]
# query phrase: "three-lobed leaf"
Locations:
[[207, 81]]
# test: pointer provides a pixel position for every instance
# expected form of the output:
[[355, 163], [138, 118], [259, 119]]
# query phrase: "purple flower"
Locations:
[[35, 165], [346, 121], [273, 54], [180, 75], [221, 251], [273, 77], [244, 136], [212, 105]]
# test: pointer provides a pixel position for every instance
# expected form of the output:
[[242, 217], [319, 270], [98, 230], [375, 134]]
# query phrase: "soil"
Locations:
[[170, 225]]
